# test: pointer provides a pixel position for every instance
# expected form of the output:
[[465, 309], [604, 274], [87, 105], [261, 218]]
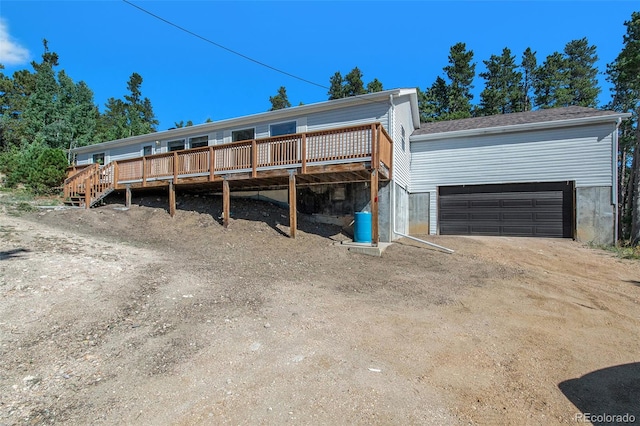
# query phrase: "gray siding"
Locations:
[[361, 114], [582, 154], [402, 155]]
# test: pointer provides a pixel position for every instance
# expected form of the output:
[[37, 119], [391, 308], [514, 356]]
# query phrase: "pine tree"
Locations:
[[528, 65], [623, 73], [131, 117], [551, 86], [353, 85], [501, 94], [336, 89], [583, 84], [374, 86], [280, 100], [461, 72], [434, 103]]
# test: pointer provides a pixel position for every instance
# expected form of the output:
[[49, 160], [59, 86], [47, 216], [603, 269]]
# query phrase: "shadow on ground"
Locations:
[[613, 391], [9, 254]]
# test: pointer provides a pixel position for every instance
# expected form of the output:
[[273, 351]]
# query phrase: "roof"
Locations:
[[276, 115], [552, 117]]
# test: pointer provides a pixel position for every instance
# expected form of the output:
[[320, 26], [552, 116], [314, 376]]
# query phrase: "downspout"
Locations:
[[615, 186], [393, 183], [393, 193]]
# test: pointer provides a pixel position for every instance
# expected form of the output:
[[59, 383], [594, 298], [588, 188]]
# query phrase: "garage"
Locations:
[[518, 209]]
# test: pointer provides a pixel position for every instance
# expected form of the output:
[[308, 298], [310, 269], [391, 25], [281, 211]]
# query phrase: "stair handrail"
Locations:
[[74, 184]]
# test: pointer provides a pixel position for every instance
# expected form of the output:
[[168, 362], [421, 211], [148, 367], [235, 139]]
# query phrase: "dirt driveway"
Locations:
[[111, 316]]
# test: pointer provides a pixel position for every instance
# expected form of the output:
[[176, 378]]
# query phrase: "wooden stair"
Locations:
[[89, 186]]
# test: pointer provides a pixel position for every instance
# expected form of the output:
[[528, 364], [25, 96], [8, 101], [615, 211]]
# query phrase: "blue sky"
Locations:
[[403, 44]]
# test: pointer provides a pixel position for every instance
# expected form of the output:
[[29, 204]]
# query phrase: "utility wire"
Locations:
[[224, 47]]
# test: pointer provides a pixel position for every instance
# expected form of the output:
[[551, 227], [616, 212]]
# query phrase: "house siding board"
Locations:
[[362, 114], [402, 158], [124, 152], [581, 154]]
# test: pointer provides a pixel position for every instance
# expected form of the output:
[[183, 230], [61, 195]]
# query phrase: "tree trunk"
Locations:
[[622, 168], [635, 194]]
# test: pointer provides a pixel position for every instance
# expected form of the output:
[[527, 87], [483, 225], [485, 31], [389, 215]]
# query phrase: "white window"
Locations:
[[287, 128], [402, 135], [243, 135], [198, 141], [176, 145]]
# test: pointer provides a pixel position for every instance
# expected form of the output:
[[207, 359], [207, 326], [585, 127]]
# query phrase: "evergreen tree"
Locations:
[[501, 94], [434, 103], [14, 95], [623, 74], [568, 78], [181, 124], [461, 72], [551, 85], [336, 89], [280, 100], [353, 85], [131, 117], [374, 86], [580, 61], [528, 65], [113, 121]]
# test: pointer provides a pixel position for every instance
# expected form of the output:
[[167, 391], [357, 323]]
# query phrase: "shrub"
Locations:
[[36, 166]]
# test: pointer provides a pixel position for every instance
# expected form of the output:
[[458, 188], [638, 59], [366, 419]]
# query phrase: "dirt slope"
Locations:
[[131, 317]]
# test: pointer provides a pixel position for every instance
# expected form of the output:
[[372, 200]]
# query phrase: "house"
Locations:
[[549, 173]]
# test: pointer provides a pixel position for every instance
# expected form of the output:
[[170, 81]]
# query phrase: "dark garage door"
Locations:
[[523, 209]]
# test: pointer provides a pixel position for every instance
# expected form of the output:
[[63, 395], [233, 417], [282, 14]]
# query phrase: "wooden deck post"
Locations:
[[116, 174], [172, 199], [226, 199], [144, 171], [293, 219], [303, 152], [175, 166], [87, 192], [127, 196], [375, 237], [212, 163], [254, 159]]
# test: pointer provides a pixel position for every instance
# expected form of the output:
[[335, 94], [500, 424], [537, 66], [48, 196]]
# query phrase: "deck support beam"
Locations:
[[127, 196], [172, 199], [293, 218], [226, 200], [375, 237]]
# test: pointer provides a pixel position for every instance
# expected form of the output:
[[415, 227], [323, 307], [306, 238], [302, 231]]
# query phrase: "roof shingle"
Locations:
[[501, 120]]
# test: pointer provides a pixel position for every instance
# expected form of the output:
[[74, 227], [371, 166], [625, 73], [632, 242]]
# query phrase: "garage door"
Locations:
[[524, 209]]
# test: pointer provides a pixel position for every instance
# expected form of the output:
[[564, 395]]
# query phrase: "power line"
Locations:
[[224, 47]]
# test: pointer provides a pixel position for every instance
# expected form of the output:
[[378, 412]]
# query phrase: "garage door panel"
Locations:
[[518, 210]]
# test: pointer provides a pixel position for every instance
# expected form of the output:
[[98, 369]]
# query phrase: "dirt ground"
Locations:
[[113, 316]]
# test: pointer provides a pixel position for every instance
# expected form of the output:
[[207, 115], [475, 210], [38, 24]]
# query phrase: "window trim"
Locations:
[[195, 137], [283, 122], [184, 145], [243, 129], [104, 158], [147, 146]]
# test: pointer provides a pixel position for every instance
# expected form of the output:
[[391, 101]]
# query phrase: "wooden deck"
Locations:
[[350, 154]]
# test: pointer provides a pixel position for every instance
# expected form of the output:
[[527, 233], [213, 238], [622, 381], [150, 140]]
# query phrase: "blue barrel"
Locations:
[[362, 227]]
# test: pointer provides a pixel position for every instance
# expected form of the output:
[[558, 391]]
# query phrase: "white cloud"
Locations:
[[11, 53]]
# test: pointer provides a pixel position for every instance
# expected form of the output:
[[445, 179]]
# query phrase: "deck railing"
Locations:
[[74, 185], [91, 184], [369, 142]]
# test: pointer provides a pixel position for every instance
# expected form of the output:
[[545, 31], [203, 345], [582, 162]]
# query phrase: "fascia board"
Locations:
[[241, 121]]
